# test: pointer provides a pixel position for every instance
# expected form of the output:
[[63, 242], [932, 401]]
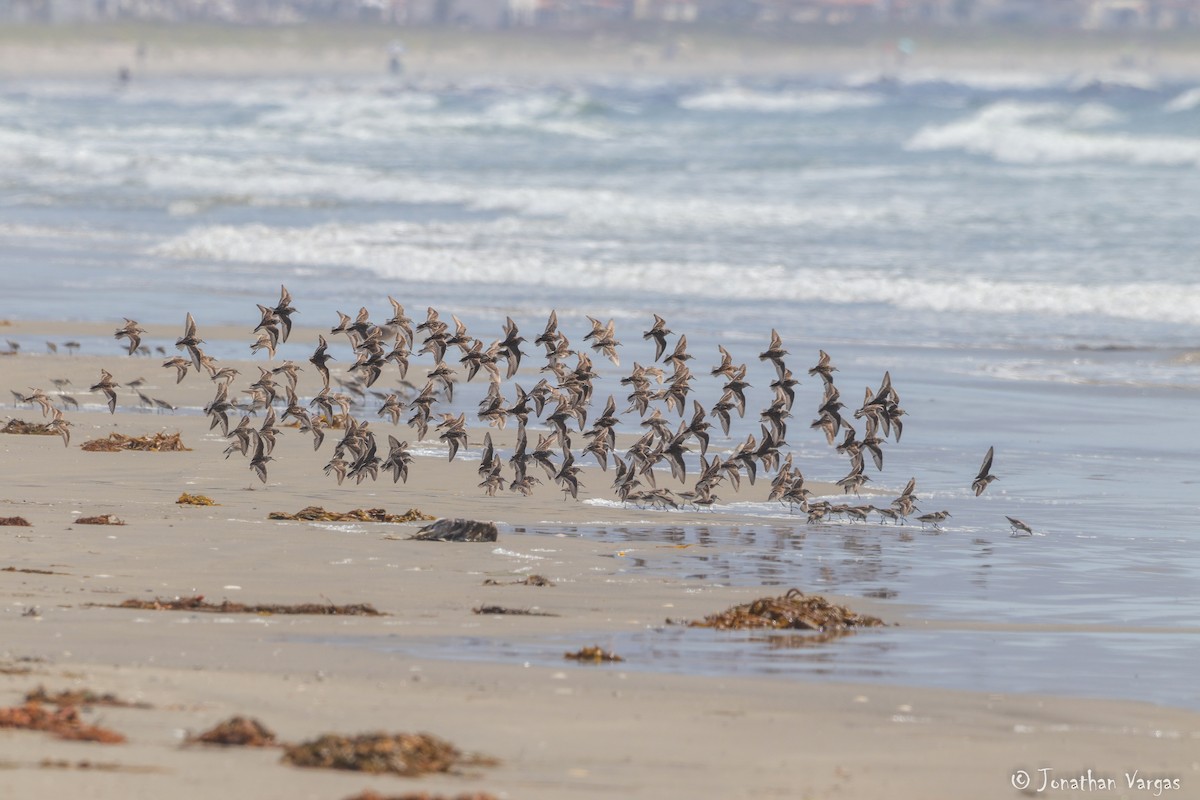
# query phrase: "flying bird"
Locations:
[[984, 477], [658, 332], [106, 385], [130, 331]]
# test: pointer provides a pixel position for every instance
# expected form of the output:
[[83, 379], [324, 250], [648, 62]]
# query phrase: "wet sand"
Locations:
[[560, 731]]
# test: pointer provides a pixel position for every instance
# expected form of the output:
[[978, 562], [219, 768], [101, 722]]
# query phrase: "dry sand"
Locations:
[[157, 51], [559, 731]]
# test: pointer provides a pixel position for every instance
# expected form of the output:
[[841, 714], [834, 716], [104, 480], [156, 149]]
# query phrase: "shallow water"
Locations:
[[1133, 666], [1018, 251]]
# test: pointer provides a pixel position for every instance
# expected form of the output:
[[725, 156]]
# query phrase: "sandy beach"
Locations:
[[672, 52], [994, 223], [558, 730]]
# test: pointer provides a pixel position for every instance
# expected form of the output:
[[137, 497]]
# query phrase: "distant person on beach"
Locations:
[[395, 60]]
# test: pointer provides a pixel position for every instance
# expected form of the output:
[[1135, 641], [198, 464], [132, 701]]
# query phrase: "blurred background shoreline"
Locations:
[[343, 48]]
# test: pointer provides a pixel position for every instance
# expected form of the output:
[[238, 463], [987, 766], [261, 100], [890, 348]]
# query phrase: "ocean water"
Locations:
[[1018, 250]]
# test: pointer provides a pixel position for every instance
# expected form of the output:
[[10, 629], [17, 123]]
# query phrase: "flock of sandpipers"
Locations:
[[561, 399]]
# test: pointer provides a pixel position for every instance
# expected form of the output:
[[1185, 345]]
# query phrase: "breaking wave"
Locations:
[[449, 254], [810, 102], [1053, 133]]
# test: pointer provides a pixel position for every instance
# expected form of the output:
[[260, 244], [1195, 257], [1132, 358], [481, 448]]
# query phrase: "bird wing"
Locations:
[[987, 465]]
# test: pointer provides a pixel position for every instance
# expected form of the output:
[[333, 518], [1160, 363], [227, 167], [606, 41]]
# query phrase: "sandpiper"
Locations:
[[106, 385], [658, 332], [1019, 528], [131, 331], [983, 478], [190, 341]]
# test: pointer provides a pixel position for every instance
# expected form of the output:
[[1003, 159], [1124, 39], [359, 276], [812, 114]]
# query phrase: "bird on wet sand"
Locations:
[[1018, 527]]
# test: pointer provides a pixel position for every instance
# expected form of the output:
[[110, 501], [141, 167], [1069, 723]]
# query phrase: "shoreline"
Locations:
[[559, 730], [34, 52]]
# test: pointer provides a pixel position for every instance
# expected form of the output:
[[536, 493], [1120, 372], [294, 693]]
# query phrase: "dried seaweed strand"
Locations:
[[197, 603], [319, 514], [156, 443]]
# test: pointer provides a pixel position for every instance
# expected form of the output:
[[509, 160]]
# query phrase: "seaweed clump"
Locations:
[[63, 722], [157, 443], [407, 754], [94, 766], [594, 655], [102, 519], [794, 610], [80, 697], [319, 514], [237, 732], [19, 522], [197, 603], [186, 499], [20, 426], [518, 612], [528, 580]]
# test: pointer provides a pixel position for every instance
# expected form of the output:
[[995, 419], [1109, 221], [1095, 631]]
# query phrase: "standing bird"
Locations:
[[132, 332], [984, 478], [1018, 527]]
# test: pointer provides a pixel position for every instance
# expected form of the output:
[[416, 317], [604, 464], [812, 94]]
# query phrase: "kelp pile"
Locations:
[[63, 722], [20, 426], [794, 610], [95, 766], [529, 580], [186, 499], [197, 603], [157, 443], [237, 732], [103, 519], [79, 697], [519, 612], [319, 514], [593, 655], [19, 522], [407, 754]]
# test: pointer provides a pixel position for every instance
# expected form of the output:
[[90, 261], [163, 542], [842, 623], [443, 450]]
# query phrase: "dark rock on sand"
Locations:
[[459, 530]]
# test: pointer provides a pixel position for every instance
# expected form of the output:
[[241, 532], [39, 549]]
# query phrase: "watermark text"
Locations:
[[1048, 780]]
